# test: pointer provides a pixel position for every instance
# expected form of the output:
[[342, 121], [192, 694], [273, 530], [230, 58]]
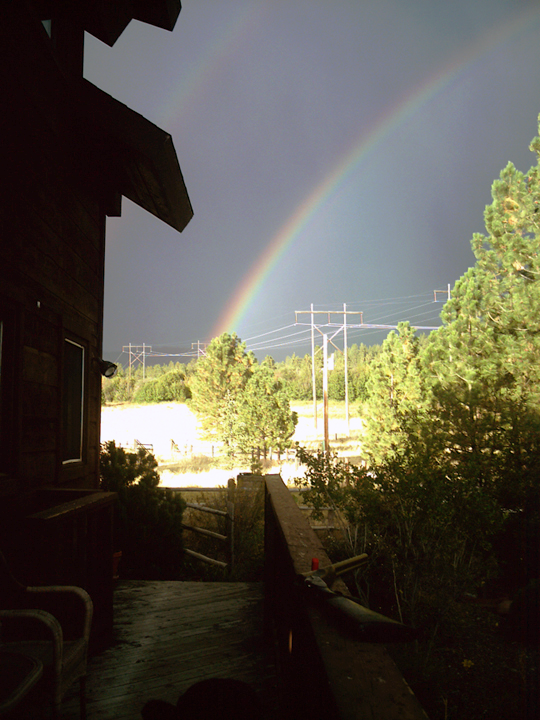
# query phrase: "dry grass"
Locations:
[[186, 459]]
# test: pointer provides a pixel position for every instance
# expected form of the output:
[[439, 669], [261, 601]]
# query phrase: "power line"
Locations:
[[137, 355], [255, 346], [201, 348], [270, 332], [279, 338], [341, 326]]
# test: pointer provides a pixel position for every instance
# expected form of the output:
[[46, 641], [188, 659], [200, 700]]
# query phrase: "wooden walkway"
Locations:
[[169, 635]]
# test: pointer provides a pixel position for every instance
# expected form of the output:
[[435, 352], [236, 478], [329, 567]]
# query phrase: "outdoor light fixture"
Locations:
[[107, 369]]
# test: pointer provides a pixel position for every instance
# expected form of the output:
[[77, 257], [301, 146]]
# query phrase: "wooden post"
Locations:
[[232, 489], [325, 392], [346, 368], [230, 532], [313, 369]]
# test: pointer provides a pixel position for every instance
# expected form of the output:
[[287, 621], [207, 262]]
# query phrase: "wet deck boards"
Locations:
[[169, 635]]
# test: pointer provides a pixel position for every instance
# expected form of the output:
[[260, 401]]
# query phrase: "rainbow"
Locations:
[[202, 76], [350, 161]]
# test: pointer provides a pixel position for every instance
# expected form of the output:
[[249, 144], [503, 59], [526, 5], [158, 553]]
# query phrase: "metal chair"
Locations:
[[52, 625]]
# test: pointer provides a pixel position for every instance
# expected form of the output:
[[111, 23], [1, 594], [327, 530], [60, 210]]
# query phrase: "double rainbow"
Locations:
[[355, 155]]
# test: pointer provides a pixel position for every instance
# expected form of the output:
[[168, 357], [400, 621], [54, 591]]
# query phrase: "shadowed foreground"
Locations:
[[169, 635]]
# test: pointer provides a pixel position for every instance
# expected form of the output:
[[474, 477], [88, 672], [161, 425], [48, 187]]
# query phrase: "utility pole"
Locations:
[[342, 327], [339, 327], [438, 292], [313, 377], [326, 446], [201, 348]]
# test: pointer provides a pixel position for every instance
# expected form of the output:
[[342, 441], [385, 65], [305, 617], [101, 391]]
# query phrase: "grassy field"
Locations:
[[186, 459]]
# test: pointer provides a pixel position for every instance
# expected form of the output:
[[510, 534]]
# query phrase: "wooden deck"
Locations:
[[169, 635]]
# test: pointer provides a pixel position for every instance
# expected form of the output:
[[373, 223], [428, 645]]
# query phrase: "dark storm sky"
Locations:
[[334, 152]]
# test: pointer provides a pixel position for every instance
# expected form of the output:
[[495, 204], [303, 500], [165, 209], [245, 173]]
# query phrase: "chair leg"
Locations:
[[82, 696]]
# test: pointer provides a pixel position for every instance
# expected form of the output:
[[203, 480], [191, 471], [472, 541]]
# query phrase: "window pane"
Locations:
[[73, 401], [7, 392], [2, 402]]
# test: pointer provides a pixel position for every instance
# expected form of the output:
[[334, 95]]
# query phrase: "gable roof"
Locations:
[[107, 19], [112, 147], [135, 157]]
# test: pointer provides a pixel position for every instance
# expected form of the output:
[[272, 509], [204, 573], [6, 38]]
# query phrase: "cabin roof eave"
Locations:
[[135, 157], [107, 20]]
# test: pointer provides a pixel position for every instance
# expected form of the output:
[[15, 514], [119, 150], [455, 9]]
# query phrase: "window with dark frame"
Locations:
[[7, 389], [73, 402], [2, 383]]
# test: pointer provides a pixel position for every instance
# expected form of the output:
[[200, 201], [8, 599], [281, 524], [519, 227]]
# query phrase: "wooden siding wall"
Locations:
[[52, 273], [52, 231]]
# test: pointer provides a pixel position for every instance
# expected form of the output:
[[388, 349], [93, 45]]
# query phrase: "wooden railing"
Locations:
[[228, 538], [325, 672], [245, 482], [147, 446], [69, 536]]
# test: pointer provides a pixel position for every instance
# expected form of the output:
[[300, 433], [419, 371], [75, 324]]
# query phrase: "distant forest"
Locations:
[[173, 382]]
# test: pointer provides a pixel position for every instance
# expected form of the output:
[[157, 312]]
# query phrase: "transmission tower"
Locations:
[[137, 356], [201, 348]]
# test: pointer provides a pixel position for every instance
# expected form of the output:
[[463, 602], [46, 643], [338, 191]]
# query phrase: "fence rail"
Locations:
[[204, 508], [228, 538], [183, 450], [245, 482], [147, 446]]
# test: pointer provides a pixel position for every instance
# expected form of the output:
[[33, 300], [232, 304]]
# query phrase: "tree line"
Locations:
[[173, 382], [242, 403]]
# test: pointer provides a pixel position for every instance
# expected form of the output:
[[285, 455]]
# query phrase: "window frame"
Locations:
[[8, 405], [73, 388]]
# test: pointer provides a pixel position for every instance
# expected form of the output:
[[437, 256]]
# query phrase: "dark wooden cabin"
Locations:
[[68, 152]]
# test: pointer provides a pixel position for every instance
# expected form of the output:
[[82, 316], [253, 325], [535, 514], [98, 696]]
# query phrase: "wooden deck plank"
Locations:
[[169, 635], [195, 660]]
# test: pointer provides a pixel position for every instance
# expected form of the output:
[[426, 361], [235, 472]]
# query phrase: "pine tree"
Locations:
[[491, 322], [221, 375], [240, 402], [484, 362], [264, 417], [395, 394]]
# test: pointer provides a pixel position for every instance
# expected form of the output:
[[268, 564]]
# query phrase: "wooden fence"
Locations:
[[228, 538], [245, 482], [183, 450]]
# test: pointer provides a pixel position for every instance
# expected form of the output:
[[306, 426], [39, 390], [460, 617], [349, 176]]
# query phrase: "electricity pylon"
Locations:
[[137, 354]]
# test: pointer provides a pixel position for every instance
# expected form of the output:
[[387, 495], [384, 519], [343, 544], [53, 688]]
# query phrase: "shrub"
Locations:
[[427, 531], [149, 519]]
